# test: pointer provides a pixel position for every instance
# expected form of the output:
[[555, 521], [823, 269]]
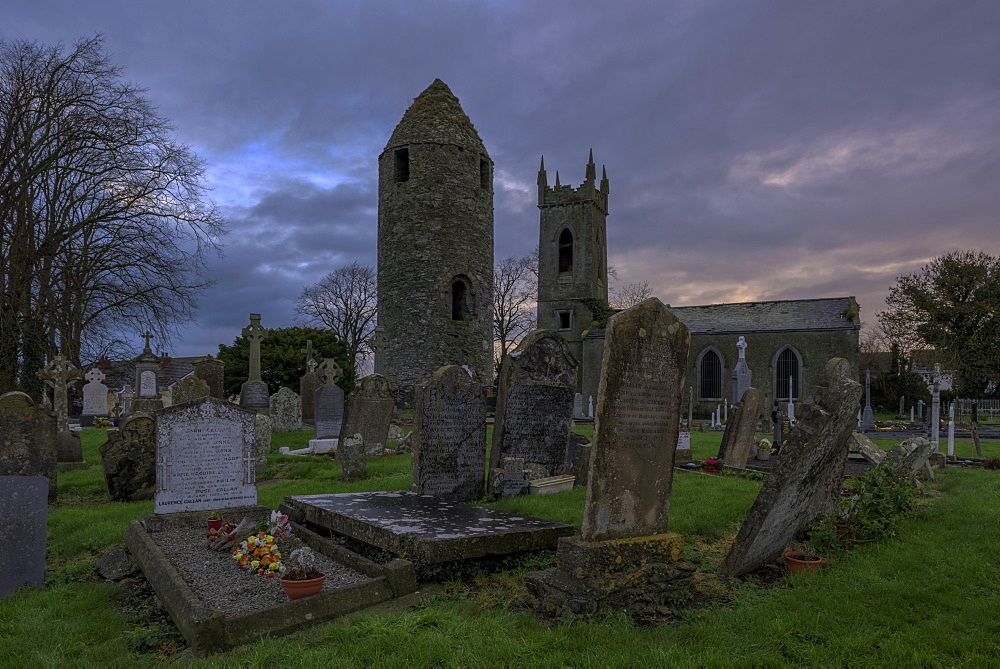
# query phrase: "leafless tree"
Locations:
[[515, 292], [344, 302], [103, 226], [624, 297]]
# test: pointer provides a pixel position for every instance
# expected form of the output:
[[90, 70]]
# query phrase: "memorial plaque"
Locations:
[[205, 457], [129, 459], [509, 480], [28, 439], [637, 424], [23, 532], [328, 406], [147, 384], [255, 395], [449, 436], [369, 413]]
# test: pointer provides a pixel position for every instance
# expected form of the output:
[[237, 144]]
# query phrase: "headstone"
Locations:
[[286, 411], [351, 453], [740, 435], [806, 477], [951, 429], [909, 457], [129, 459], [590, 407], [205, 457], [95, 394], [683, 445], [213, 372], [741, 372], [254, 393], [125, 399], [147, 365], [27, 439], [509, 479], [69, 451], [868, 416], [262, 438], [449, 436], [578, 412], [369, 413], [23, 532], [60, 372], [867, 448], [328, 401], [189, 389], [490, 395], [936, 407], [535, 405]]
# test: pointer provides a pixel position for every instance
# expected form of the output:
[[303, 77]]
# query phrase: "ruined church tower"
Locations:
[[572, 257], [435, 244]]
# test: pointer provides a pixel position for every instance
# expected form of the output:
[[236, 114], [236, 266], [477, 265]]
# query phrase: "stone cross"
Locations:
[[936, 407], [309, 352], [329, 371], [741, 344], [94, 375], [148, 336], [60, 371], [255, 333], [378, 340]]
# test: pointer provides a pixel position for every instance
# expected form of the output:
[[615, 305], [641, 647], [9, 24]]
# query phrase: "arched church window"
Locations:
[[710, 376], [786, 367], [565, 251], [460, 299]]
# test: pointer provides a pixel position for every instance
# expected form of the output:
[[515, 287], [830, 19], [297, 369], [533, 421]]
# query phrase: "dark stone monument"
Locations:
[[212, 372], [741, 430], [27, 439], [352, 456], [254, 393], [308, 382], [449, 436], [328, 401], [807, 475], [129, 459], [626, 560], [369, 413], [535, 406], [24, 500]]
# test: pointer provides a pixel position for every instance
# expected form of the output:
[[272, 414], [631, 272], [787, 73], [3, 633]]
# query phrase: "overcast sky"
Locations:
[[755, 150]]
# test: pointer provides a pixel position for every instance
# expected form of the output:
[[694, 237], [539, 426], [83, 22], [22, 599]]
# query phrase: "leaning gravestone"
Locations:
[[741, 430], [328, 403], [95, 394], [129, 459], [626, 559], [27, 439], [449, 436], [189, 389], [23, 532], [286, 411], [535, 406], [807, 474], [205, 457], [867, 448], [909, 457], [369, 413]]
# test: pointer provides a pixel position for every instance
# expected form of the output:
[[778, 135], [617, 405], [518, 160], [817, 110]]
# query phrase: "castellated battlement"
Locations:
[[554, 196]]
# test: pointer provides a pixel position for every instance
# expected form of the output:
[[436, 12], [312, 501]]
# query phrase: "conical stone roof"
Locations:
[[436, 117]]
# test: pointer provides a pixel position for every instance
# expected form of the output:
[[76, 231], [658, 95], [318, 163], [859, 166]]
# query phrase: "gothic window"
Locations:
[[460, 299], [786, 366], [565, 251], [402, 163], [710, 376]]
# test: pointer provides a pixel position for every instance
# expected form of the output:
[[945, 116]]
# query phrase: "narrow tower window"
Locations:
[[402, 164], [484, 174], [459, 300], [565, 319], [565, 251]]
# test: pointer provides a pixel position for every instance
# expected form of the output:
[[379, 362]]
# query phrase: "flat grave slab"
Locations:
[[427, 529]]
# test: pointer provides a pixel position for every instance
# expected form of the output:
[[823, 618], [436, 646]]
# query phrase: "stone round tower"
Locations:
[[435, 244]]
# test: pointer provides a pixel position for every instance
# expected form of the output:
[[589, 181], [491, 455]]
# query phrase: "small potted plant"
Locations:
[[764, 449], [802, 563], [214, 522], [712, 465], [301, 577]]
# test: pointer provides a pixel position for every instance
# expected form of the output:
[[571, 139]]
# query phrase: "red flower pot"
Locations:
[[802, 563], [215, 525], [303, 588]]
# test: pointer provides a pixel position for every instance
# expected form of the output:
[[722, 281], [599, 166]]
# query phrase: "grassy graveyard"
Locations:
[[926, 597]]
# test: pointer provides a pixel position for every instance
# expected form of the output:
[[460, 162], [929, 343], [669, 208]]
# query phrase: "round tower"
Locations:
[[435, 244]]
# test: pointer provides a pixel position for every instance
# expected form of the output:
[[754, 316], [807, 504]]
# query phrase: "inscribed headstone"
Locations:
[[328, 401], [535, 405], [351, 453], [741, 430], [95, 394], [509, 479], [205, 457], [27, 439], [369, 413], [254, 393], [807, 475], [449, 436], [637, 423], [286, 411], [578, 412], [129, 459], [189, 389], [24, 500]]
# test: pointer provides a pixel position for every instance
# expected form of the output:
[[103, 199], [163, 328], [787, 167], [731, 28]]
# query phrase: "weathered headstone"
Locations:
[[909, 457], [129, 459], [27, 439], [351, 453], [741, 372], [254, 393], [147, 365], [509, 479], [578, 412], [535, 405], [741, 431], [286, 411], [24, 500], [205, 457], [95, 394], [213, 372], [449, 436], [262, 438], [328, 402], [189, 389], [369, 413], [60, 372], [868, 448], [806, 476]]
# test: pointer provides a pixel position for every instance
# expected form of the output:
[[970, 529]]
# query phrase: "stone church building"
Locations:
[[435, 275]]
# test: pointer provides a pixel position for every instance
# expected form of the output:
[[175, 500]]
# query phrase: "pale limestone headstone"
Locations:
[[449, 436], [23, 532], [535, 406], [205, 457], [27, 439], [369, 413], [189, 389], [95, 394], [129, 459], [637, 424], [286, 411], [741, 430]]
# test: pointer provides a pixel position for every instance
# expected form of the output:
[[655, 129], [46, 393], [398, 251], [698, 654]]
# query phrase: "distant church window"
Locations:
[[460, 299], [565, 319], [402, 164], [565, 251], [710, 376], [786, 367], [484, 174]]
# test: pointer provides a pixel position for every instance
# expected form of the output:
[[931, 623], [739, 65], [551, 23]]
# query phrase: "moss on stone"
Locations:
[[436, 117]]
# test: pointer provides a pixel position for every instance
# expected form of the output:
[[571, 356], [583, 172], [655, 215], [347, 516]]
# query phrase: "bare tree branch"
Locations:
[[344, 302]]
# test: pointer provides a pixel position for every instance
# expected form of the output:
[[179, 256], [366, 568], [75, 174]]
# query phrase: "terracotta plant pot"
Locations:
[[802, 563], [303, 588]]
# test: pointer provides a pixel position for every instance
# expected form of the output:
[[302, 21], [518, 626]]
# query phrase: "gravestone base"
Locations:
[[682, 455], [322, 446], [641, 576]]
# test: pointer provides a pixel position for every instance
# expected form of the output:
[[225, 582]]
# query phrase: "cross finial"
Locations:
[[309, 352], [148, 336]]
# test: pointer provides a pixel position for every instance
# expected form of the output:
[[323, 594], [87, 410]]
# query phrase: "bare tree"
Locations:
[[515, 292], [102, 218], [624, 297], [344, 302]]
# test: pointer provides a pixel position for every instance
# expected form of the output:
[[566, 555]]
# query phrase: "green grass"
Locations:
[[928, 597]]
